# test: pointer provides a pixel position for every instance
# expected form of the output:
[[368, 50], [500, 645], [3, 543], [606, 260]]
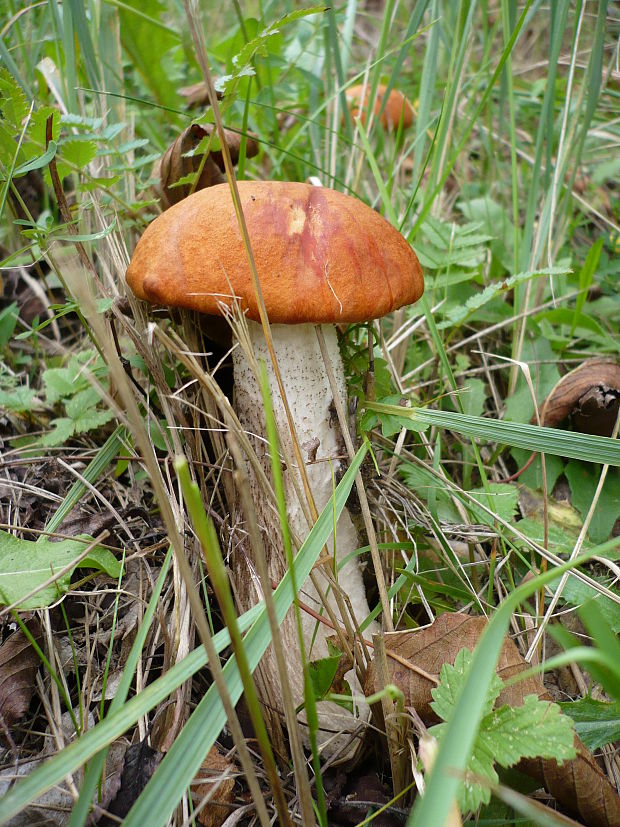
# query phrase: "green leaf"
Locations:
[[459, 314], [507, 734], [580, 323], [74, 155], [583, 480], [8, 320], [537, 728], [452, 677], [18, 400], [63, 429], [80, 402], [323, 672], [92, 419], [13, 103], [60, 383], [473, 396], [501, 498], [25, 565], [596, 723], [577, 593], [542, 362], [38, 162], [242, 60]]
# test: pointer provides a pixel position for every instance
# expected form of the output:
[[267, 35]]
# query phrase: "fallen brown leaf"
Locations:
[[589, 394], [579, 786], [140, 762], [18, 666], [175, 164], [197, 95], [217, 783]]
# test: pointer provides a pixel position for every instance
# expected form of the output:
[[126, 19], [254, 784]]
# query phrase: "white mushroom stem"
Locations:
[[310, 400]]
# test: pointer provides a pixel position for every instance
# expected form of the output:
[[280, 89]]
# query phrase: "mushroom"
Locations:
[[396, 107], [322, 258]]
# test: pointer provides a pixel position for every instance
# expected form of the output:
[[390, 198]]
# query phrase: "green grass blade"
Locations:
[[95, 468], [183, 760], [95, 767], [588, 448]]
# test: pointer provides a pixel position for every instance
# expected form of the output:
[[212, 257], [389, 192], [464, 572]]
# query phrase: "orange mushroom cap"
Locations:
[[322, 257], [397, 105]]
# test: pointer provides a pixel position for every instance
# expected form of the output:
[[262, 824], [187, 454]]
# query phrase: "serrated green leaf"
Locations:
[[597, 723], [501, 498], [452, 678], [13, 103], [38, 125], [59, 383], [63, 429], [92, 419], [537, 728], [242, 60], [481, 763], [74, 155], [460, 313], [507, 734], [18, 399], [80, 402], [25, 565]]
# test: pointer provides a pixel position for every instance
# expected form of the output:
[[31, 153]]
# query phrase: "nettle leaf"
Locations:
[[13, 103], [60, 383], [74, 155], [18, 400], [62, 429], [25, 565], [596, 723], [451, 681], [506, 735], [92, 419], [258, 45], [460, 313], [501, 498], [538, 728]]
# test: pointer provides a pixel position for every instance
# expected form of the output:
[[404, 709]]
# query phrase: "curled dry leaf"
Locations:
[[216, 779], [175, 164], [197, 95], [580, 787], [18, 666], [140, 762], [589, 394]]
